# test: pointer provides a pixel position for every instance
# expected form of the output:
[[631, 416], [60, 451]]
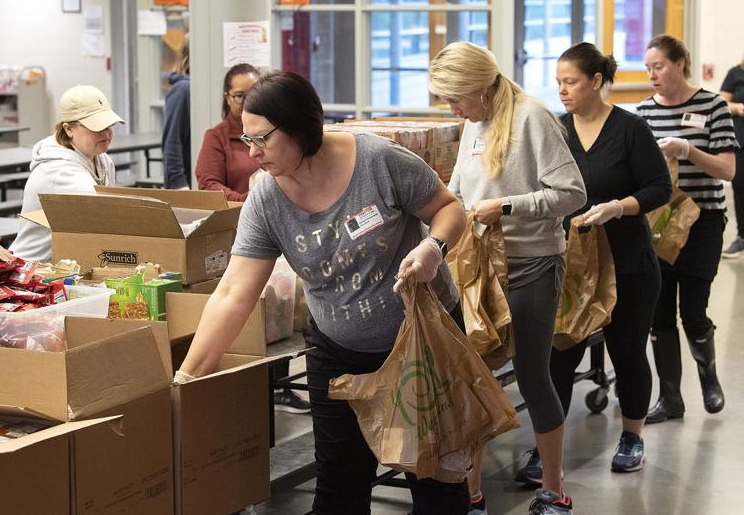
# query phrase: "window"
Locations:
[[546, 29], [394, 44]]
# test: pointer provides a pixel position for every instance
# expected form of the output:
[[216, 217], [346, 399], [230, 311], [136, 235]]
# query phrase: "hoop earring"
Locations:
[[486, 109]]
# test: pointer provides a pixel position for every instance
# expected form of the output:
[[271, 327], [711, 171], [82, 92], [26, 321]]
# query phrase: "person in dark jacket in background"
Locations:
[[176, 143]]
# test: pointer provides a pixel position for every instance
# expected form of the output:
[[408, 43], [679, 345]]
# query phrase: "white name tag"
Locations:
[[694, 120], [364, 221], [479, 145]]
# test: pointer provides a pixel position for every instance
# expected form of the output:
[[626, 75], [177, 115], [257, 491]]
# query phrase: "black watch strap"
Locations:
[[442, 245]]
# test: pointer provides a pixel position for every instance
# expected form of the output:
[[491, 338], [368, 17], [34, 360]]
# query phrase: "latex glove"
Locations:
[[602, 213], [674, 148], [423, 260], [182, 377]]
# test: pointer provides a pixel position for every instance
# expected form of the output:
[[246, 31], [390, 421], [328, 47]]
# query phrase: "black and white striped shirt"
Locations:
[[714, 137]]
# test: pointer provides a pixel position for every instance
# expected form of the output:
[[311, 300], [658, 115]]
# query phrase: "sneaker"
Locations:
[[548, 503], [735, 249], [478, 508], [629, 454], [531, 474], [287, 400]]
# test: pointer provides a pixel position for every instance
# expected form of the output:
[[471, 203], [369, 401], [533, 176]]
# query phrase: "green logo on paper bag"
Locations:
[[118, 257], [420, 380]]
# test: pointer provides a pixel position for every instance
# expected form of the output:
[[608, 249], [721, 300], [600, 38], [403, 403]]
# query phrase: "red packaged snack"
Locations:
[[6, 293], [24, 272], [29, 296], [9, 307], [57, 292]]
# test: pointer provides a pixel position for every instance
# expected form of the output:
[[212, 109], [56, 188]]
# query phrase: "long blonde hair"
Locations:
[[462, 68]]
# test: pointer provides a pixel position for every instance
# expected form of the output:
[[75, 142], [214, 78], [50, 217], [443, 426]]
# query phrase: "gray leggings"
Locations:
[[533, 307]]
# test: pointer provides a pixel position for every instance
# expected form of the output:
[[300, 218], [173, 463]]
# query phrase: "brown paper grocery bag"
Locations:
[[589, 289], [479, 269], [670, 224], [433, 402]]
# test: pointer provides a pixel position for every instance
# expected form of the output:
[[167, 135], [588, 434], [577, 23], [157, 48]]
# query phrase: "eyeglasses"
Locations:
[[239, 96], [259, 141]]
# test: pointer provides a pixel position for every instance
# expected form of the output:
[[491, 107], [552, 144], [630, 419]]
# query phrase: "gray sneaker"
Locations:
[[548, 503], [735, 249]]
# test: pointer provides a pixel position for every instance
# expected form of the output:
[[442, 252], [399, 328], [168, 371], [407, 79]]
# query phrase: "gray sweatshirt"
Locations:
[[540, 178]]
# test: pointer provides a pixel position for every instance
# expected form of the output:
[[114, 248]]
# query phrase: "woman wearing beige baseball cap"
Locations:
[[72, 160]]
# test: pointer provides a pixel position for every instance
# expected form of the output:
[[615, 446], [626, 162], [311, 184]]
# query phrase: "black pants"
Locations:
[[533, 307], [737, 183], [346, 466], [691, 276], [625, 336]]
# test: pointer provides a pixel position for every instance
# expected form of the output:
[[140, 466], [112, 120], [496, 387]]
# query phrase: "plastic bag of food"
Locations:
[[279, 294]]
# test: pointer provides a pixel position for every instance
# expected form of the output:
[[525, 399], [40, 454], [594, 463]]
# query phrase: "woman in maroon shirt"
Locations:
[[224, 162]]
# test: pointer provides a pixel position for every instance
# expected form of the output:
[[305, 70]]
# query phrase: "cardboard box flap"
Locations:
[[37, 217], [83, 330], [193, 199], [103, 214], [34, 381], [232, 363], [184, 311], [113, 371], [219, 221], [17, 411], [60, 429]]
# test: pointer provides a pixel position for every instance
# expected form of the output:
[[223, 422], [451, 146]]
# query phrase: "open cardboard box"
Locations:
[[38, 468], [117, 228], [221, 421], [106, 370], [221, 437], [184, 311]]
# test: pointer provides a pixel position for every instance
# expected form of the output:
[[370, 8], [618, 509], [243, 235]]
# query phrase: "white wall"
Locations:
[[37, 32], [720, 38]]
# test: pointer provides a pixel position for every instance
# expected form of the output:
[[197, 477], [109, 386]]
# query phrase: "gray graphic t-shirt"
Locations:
[[348, 254]]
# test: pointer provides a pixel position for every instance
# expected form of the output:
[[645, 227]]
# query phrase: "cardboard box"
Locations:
[[206, 287], [101, 230], [445, 157], [184, 311], [221, 438], [122, 373], [37, 468], [130, 472]]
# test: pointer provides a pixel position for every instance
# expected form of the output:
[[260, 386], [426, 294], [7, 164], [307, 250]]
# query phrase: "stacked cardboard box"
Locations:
[[107, 370], [435, 140]]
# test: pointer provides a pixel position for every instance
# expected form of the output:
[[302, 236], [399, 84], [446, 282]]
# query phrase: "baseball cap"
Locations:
[[87, 105]]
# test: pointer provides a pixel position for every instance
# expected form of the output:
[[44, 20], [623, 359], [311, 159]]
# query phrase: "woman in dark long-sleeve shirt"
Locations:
[[625, 177]]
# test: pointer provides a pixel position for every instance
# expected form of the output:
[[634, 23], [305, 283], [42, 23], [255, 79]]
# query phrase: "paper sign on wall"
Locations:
[[151, 23], [247, 42]]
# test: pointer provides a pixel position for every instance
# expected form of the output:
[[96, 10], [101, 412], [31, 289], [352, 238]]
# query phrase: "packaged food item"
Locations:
[[280, 299], [140, 300], [38, 332], [13, 429]]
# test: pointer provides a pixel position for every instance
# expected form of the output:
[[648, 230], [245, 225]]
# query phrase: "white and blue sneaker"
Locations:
[[629, 454]]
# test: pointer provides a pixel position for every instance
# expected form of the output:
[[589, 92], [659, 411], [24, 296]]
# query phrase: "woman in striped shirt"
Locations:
[[694, 126]]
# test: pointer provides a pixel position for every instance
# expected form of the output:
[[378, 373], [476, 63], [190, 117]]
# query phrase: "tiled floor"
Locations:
[[694, 465]]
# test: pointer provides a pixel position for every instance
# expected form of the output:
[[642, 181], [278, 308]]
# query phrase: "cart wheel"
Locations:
[[597, 400]]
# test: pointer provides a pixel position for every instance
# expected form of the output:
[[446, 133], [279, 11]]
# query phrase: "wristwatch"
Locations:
[[506, 207], [441, 244]]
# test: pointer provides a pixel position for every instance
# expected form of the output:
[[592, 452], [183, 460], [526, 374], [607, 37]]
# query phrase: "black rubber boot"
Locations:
[[704, 352], [669, 368]]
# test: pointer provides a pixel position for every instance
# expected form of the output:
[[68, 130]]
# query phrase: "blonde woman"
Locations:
[[513, 165]]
